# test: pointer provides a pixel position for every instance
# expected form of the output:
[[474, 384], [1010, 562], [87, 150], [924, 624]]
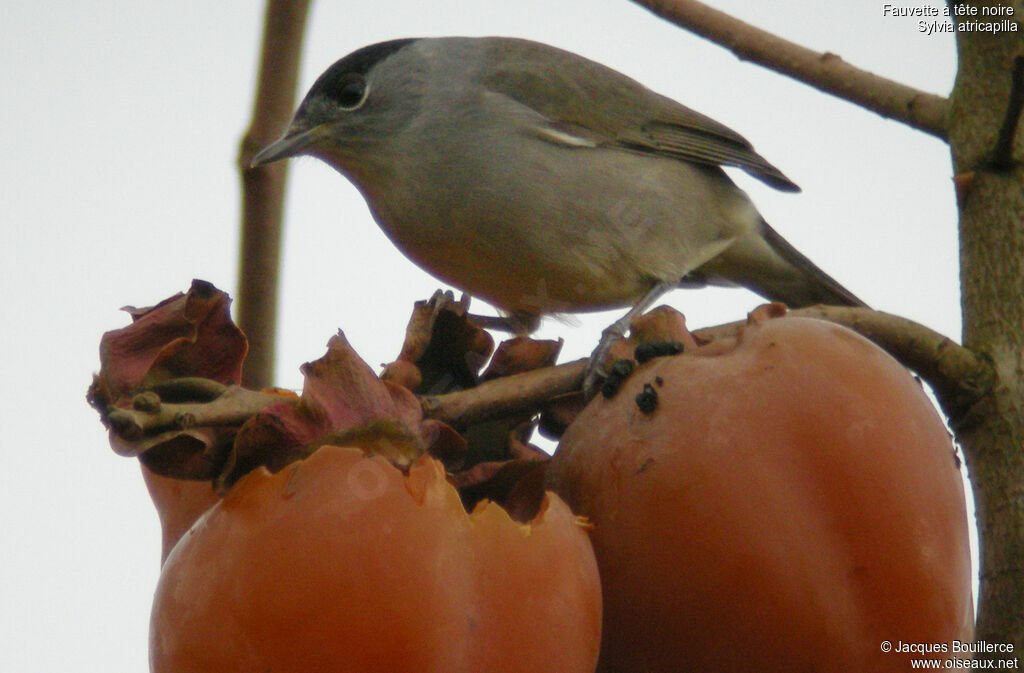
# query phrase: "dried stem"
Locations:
[[824, 71], [263, 187]]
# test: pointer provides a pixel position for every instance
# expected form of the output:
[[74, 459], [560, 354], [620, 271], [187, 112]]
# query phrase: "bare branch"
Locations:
[[499, 398], [506, 396], [957, 375], [263, 187], [824, 71], [231, 409], [1002, 157]]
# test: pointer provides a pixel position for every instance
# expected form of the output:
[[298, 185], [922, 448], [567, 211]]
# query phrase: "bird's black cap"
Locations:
[[332, 82]]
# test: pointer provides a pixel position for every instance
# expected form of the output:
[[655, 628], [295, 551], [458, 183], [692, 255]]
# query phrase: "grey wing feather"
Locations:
[[574, 92], [704, 144]]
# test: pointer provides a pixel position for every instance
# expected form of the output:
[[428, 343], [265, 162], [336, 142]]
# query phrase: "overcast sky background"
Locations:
[[119, 135]]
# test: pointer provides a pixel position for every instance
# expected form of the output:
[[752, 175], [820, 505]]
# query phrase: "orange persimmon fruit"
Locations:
[[786, 501], [340, 562]]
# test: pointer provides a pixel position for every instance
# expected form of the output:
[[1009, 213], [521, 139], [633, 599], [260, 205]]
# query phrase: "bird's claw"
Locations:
[[596, 370]]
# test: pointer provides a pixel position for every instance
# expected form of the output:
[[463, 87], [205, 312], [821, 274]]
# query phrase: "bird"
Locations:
[[544, 182]]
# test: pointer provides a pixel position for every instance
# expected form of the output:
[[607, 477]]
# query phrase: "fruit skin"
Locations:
[[792, 502], [341, 563], [178, 503]]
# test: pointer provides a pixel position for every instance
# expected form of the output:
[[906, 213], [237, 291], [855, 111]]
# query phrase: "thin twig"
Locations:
[[1002, 157], [505, 396], [231, 409], [824, 71], [263, 187], [499, 398]]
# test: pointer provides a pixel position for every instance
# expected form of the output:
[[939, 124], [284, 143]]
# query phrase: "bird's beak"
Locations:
[[292, 144]]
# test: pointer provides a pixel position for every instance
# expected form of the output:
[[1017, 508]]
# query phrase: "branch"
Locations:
[[263, 187], [506, 396], [957, 375], [234, 405], [1003, 156], [150, 415], [824, 71]]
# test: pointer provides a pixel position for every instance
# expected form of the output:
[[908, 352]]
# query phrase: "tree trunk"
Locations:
[[991, 202]]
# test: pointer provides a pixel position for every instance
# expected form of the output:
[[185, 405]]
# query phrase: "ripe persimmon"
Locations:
[[340, 562], [786, 501]]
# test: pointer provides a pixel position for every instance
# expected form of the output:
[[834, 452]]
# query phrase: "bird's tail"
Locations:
[[767, 264], [818, 287]]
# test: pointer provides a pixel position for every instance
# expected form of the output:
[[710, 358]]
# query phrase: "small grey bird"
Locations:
[[543, 182]]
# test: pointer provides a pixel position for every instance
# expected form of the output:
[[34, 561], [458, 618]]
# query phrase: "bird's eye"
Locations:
[[351, 91]]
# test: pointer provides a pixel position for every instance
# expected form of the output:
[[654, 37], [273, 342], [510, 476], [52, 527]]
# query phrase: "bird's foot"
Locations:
[[659, 333], [597, 369]]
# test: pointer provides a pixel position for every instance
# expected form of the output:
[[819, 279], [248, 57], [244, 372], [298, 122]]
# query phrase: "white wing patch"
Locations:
[[562, 138]]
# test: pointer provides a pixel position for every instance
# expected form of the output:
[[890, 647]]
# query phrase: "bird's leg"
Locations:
[[616, 331]]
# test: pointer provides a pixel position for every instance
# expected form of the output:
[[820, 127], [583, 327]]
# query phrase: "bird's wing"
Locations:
[[703, 142], [574, 93]]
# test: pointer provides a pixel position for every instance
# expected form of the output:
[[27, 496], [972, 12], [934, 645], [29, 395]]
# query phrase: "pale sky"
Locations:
[[121, 123]]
